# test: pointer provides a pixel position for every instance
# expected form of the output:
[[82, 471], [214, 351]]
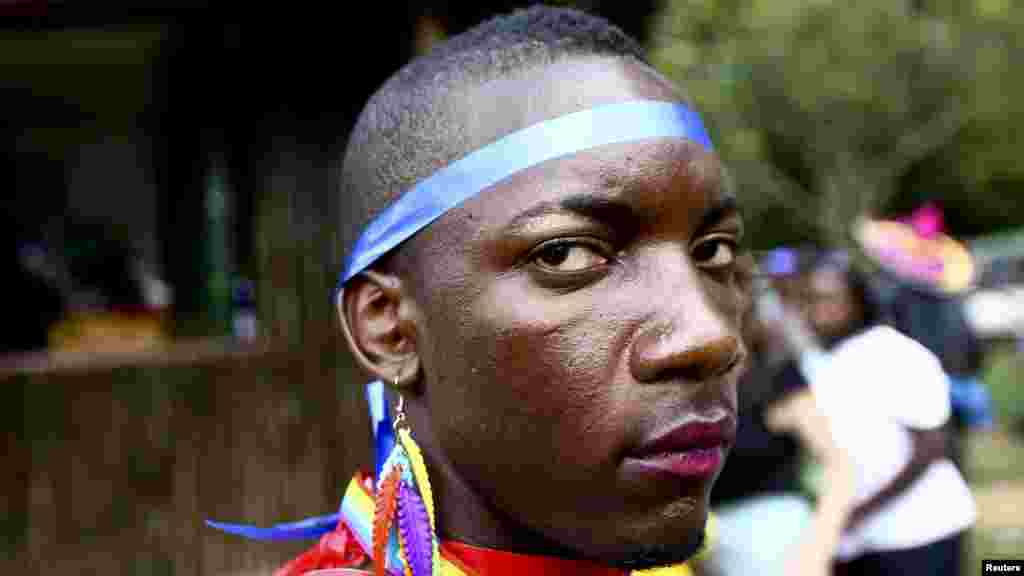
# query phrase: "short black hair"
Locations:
[[864, 292], [406, 132]]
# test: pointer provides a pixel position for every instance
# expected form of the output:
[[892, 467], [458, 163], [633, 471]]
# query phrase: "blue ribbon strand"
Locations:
[[308, 529], [385, 443], [380, 424]]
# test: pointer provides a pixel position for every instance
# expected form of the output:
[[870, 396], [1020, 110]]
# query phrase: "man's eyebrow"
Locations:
[[598, 208], [724, 206], [617, 212]]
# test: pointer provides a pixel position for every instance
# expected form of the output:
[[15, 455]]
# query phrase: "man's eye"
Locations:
[[715, 253], [568, 256]]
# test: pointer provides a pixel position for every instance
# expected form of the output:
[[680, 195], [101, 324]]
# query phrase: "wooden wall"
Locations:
[[114, 471]]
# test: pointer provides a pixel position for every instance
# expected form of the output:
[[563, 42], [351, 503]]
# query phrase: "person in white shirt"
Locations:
[[886, 399]]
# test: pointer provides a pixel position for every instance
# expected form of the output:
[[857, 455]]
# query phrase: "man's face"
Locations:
[[830, 303], [573, 314]]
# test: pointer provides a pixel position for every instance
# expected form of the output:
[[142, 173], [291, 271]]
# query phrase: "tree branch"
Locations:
[[782, 190], [914, 145]]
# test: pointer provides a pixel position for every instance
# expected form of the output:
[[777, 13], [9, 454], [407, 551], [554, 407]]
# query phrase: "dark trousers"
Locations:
[[942, 558]]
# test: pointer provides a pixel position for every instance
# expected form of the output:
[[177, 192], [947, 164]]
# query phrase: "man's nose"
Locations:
[[689, 339]]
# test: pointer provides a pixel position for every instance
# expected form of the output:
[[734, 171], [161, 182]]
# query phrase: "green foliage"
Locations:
[[1004, 376], [822, 108]]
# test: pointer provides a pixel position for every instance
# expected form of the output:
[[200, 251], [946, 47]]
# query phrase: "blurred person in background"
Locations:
[[939, 322], [930, 308], [886, 398], [760, 485], [923, 281]]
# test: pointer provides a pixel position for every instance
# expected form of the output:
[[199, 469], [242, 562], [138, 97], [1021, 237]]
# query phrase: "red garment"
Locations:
[[338, 549], [476, 560]]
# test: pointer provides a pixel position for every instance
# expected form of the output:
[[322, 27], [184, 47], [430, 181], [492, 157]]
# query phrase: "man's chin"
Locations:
[[672, 533], [644, 556]]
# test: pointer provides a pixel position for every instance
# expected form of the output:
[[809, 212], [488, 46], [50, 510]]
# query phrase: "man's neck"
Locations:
[[465, 516]]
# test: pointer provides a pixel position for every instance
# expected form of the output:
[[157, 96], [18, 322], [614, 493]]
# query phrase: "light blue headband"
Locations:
[[562, 136]]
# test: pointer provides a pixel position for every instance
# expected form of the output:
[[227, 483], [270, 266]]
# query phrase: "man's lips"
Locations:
[[692, 449], [690, 435]]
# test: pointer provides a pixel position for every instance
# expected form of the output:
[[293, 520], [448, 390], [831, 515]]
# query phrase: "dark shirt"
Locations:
[[939, 323], [761, 462]]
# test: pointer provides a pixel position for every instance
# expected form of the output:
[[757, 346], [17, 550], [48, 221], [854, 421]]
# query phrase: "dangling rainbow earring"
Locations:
[[409, 545]]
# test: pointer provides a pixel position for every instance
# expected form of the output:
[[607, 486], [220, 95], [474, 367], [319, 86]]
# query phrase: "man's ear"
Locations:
[[377, 323]]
